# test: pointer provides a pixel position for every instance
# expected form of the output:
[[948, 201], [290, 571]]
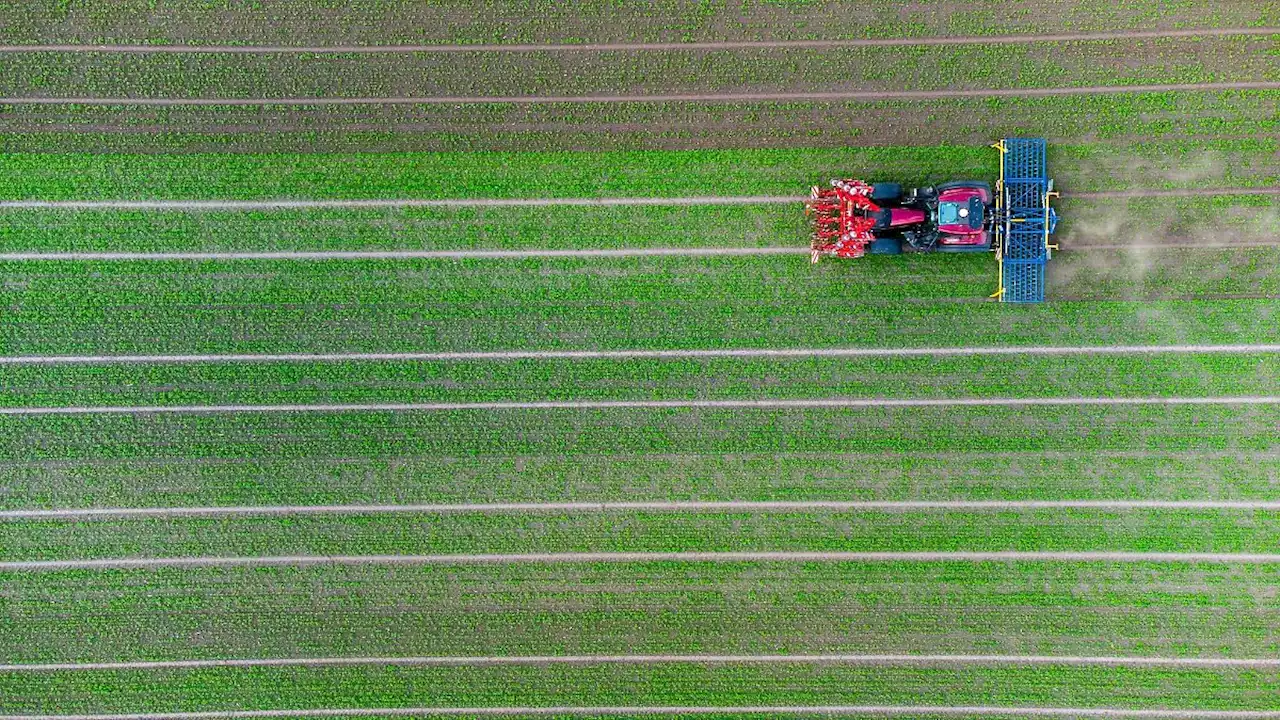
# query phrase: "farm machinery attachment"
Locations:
[[852, 218]]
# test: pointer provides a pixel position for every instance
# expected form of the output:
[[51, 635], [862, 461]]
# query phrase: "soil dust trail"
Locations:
[[572, 558], [851, 95], [641, 47]]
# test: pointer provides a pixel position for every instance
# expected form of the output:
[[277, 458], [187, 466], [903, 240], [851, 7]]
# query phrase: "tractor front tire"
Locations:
[[886, 193], [885, 246]]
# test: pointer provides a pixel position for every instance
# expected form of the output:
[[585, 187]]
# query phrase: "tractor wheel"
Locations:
[[890, 193], [885, 246]]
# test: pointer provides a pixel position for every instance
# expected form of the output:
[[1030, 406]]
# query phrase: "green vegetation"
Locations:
[[716, 431], [1233, 163], [667, 684], [1099, 297], [482, 228], [652, 607], [308, 22], [1190, 118], [791, 70], [330, 477], [1084, 222], [1214, 531], [646, 379], [65, 308]]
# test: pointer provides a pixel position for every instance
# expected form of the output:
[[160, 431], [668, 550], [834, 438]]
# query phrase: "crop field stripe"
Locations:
[[638, 47], [508, 660], [573, 558], [671, 404], [639, 506], [392, 203], [401, 254], [663, 98], [304, 255], [630, 710], [395, 203], [676, 354]]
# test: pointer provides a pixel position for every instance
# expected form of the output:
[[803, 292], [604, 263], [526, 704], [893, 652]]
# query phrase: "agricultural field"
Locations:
[[393, 359]]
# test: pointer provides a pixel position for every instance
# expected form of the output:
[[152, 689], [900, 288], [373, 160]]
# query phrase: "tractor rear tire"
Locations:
[[890, 193], [885, 246]]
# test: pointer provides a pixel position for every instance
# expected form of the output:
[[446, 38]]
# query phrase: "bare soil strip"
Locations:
[[641, 404], [638, 47], [841, 659], [394, 203], [634, 710], [803, 506], [665, 98], [998, 556], [641, 354]]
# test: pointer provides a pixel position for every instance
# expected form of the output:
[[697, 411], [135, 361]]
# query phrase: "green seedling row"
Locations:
[[330, 476], [1161, 610]]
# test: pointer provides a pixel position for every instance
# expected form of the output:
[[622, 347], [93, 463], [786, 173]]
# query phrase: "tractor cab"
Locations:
[[961, 216], [964, 217]]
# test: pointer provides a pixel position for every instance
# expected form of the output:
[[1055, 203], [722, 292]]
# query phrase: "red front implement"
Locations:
[[843, 218]]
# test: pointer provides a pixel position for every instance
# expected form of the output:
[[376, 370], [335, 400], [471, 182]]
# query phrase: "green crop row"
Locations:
[[790, 70], [642, 126], [679, 685], [80, 308], [112, 478], [1114, 118], [1140, 609], [1195, 531], [306, 22], [465, 433], [1083, 222], [71, 176], [646, 379], [483, 228]]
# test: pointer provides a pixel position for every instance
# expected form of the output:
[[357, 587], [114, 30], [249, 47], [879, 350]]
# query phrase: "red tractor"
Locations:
[[854, 218]]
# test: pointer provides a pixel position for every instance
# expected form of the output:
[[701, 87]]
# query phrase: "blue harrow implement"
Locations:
[[852, 218]]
